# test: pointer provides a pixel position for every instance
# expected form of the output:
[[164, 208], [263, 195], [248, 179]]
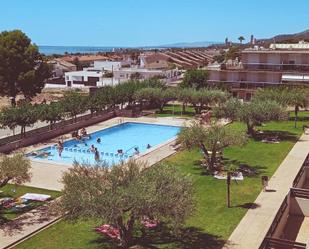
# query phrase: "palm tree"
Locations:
[[241, 39]]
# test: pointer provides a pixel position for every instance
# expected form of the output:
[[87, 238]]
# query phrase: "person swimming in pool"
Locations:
[[99, 140], [40, 154], [136, 151], [96, 155], [92, 148], [148, 146]]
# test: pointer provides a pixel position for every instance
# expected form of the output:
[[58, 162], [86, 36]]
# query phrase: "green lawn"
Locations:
[[213, 222], [16, 191], [176, 110]]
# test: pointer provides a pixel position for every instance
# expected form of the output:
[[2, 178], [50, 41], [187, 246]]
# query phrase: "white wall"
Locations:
[[107, 65]]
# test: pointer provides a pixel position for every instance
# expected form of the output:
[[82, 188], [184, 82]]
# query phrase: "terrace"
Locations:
[[290, 228]]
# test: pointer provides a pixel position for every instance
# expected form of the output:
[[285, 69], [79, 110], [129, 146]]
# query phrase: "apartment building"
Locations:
[[261, 67], [112, 73]]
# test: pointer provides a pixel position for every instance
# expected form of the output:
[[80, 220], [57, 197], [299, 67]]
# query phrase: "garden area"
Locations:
[[15, 206], [213, 221]]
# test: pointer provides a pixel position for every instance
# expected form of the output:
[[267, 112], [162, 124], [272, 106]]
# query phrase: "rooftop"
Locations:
[[272, 51]]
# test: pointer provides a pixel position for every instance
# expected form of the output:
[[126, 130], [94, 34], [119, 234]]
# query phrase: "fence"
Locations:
[[34, 136]]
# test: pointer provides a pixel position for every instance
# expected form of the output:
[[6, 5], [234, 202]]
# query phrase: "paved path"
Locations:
[[252, 229], [26, 224]]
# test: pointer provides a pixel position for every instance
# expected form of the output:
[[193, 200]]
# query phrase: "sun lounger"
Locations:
[[150, 223], [35, 197], [238, 177], [109, 231]]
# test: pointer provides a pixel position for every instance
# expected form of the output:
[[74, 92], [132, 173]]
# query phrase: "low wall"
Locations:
[[44, 133]]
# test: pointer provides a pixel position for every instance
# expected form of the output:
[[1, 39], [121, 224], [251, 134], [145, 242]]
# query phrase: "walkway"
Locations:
[[14, 231], [252, 229]]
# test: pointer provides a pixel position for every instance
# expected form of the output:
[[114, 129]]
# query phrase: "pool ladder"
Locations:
[[135, 146]]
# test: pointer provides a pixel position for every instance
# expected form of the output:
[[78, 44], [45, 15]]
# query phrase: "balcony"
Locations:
[[290, 228], [277, 67], [244, 84]]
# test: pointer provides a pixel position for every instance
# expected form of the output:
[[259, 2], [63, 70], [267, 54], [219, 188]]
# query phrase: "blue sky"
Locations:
[[150, 22]]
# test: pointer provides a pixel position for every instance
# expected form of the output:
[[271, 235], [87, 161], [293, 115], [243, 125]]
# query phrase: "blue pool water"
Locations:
[[125, 136]]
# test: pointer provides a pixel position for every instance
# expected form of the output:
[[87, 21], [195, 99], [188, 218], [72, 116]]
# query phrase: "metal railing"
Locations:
[[274, 243], [277, 67], [298, 192], [278, 217], [301, 172]]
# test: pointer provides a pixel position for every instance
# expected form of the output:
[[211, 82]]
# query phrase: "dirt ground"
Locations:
[[48, 95]]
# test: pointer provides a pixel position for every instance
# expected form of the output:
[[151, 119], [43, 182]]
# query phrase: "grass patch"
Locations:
[[176, 111], [213, 222], [16, 191]]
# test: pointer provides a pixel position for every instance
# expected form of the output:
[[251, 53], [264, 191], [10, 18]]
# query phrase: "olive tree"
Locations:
[[125, 194], [229, 110], [210, 140], [155, 96], [195, 78], [298, 97], [14, 169], [74, 103], [256, 112], [203, 98], [22, 115], [51, 113]]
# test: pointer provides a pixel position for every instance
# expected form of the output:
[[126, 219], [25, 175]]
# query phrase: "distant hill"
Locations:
[[287, 38], [189, 44]]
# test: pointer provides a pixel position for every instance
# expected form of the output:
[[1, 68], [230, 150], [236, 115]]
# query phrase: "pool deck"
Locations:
[[47, 175]]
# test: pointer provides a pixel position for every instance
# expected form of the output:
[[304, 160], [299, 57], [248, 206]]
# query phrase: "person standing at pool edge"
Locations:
[[60, 148]]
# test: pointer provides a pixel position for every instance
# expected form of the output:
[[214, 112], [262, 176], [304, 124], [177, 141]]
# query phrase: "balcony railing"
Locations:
[[301, 193], [278, 217], [303, 169], [245, 84], [273, 243], [277, 67]]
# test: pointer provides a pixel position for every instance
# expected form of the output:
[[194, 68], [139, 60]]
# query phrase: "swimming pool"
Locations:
[[125, 137]]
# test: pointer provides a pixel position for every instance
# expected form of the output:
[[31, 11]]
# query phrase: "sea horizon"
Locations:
[[61, 50]]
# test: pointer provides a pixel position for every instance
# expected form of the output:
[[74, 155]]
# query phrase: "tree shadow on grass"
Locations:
[[246, 169], [280, 135], [162, 237], [249, 205], [300, 119]]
